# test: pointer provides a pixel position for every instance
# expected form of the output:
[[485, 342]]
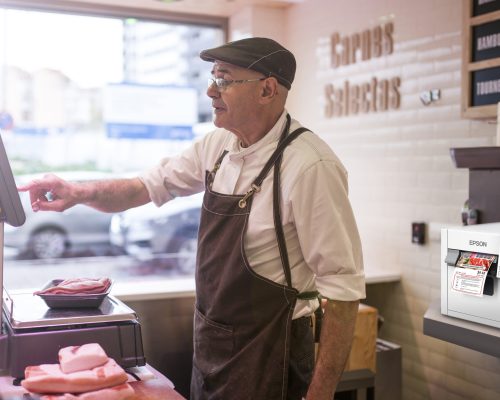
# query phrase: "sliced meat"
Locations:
[[49, 378], [79, 358], [120, 392], [79, 286]]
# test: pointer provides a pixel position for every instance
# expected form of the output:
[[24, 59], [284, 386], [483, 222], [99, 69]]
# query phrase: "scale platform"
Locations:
[[28, 311], [35, 332]]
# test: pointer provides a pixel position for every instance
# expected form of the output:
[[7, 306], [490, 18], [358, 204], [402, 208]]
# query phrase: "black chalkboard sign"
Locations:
[[481, 7], [486, 41], [481, 59], [486, 87]]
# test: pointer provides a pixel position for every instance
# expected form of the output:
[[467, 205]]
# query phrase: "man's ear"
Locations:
[[269, 89]]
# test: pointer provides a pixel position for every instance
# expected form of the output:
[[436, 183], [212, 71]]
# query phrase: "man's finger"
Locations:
[[35, 206], [56, 205], [37, 190], [25, 188]]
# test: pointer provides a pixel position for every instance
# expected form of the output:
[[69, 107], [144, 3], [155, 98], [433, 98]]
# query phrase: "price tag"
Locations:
[[470, 275], [469, 281]]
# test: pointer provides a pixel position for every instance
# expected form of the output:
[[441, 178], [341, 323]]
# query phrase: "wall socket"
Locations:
[[418, 232]]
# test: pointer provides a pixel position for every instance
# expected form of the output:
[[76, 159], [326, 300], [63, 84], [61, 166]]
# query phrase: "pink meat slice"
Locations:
[[49, 378], [79, 286], [79, 358], [119, 392]]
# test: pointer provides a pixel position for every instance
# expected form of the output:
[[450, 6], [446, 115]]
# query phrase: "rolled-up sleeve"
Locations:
[[181, 175], [327, 231]]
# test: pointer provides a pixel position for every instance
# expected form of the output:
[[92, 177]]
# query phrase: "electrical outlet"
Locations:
[[418, 232]]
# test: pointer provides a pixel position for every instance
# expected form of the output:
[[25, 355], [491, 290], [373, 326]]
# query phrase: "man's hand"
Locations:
[[50, 193]]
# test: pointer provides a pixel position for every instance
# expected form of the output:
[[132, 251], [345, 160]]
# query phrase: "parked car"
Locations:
[[169, 232], [51, 234]]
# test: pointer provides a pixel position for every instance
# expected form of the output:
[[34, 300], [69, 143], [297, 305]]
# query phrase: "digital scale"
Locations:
[[32, 333]]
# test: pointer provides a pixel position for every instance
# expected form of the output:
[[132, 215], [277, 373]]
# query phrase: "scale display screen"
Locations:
[[11, 209]]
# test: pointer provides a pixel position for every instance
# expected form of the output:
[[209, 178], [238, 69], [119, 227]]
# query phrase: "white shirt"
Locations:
[[323, 243]]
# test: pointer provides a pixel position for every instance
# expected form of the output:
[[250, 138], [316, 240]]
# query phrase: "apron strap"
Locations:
[[318, 319], [310, 295], [209, 178], [275, 161], [285, 140]]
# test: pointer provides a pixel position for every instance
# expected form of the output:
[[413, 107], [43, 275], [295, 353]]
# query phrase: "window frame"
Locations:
[[118, 11]]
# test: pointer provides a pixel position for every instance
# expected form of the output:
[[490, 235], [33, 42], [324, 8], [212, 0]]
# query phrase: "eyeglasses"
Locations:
[[223, 84]]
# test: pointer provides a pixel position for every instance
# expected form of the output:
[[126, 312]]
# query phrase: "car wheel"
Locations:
[[48, 243]]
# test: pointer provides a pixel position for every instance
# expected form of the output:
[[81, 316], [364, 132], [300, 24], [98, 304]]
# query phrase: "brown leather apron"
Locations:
[[242, 320]]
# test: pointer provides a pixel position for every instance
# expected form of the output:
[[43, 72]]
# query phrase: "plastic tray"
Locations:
[[72, 300]]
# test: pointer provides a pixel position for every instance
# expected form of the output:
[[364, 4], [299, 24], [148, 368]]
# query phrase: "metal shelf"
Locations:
[[482, 338], [476, 157]]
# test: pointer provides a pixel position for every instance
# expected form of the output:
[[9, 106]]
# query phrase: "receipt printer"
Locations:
[[469, 273]]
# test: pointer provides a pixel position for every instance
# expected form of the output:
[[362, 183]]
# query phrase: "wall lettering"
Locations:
[[486, 41], [352, 99], [485, 86], [361, 46], [361, 98]]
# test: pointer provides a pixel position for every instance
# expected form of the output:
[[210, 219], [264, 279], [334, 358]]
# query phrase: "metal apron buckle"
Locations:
[[254, 189]]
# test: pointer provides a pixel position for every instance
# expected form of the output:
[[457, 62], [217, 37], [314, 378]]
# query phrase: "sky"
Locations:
[[86, 49]]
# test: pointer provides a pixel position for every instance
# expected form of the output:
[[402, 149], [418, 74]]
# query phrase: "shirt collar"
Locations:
[[237, 152]]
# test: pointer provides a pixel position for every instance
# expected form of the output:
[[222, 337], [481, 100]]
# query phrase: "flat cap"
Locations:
[[259, 54]]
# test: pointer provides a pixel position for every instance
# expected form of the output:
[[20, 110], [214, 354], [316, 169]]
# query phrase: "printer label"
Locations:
[[469, 281], [478, 243], [476, 260], [470, 273]]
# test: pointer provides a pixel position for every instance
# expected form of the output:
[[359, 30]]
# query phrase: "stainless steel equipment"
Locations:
[[36, 332]]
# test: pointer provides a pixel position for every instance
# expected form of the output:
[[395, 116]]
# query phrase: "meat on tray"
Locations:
[[79, 286], [49, 378], [119, 392], [93, 376], [80, 358]]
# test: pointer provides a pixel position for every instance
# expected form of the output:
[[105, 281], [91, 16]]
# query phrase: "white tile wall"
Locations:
[[400, 168]]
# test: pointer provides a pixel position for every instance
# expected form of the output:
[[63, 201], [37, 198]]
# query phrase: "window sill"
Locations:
[[185, 287], [157, 290]]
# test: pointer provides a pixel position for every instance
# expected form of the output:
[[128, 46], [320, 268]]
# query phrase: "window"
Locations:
[[78, 97]]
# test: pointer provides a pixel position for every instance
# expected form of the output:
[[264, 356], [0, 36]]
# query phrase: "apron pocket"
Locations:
[[213, 344]]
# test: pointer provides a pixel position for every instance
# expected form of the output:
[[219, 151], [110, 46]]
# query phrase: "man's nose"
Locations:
[[213, 91]]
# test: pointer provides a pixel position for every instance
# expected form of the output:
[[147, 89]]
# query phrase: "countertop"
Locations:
[[185, 287], [157, 387]]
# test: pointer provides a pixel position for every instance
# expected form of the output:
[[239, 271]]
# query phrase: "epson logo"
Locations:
[[478, 243]]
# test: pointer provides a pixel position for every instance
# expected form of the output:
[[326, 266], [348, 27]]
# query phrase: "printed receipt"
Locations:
[[470, 273]]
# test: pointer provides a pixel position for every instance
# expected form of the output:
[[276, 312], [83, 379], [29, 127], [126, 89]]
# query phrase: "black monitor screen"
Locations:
[[11, 209]]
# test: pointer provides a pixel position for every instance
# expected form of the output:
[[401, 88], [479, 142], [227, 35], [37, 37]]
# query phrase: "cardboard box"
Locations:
[[364, 344]]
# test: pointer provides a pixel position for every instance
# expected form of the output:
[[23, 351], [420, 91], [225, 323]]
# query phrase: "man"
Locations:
[[276, 228]]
